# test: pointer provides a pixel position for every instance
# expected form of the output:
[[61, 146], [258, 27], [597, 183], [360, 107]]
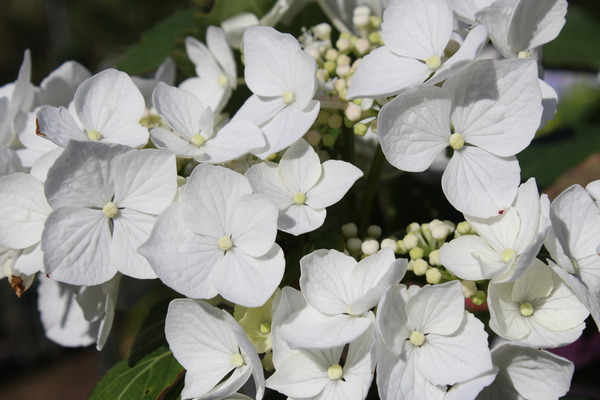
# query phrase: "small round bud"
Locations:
[[343, 59], [374, 231], [335, 121], [361, 17], [335, 372], [332, 55], [375, 38], [469, 288], [420, 267], [322, 117], [433, 276], [410, 241], [353, 112], [391, 243], [360, 129], [369, 247], [353, 245], [322, 31], [330, 67], [343, 44], [463, 228], [350, 230], [416, 253], [313, 52], [322, 75], [457, 141], [439, 230], [313, 137], [401, 247], [479, 298], [375, 22], [362, 46], [328, 140], [414, 227], [340, 85], [434, 258], [342, 70]]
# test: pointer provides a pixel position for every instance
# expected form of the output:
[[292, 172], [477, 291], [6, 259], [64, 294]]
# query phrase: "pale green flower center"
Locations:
[[110, 210], [288, 97], [299, 198], [417, 338], [524, 54], [457, 141], [237, 360], [94, 135], [265, 327], [508, 254], [335, 372], [225, 243], [433, 63], [198, 140], [526, 309], [222, 80]]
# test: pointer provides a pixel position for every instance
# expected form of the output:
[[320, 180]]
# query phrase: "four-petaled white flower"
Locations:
[[283, 79], [302, 187]]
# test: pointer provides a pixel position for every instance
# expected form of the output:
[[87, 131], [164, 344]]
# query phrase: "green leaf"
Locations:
[[224, 9], [150, 371], [157, 44]]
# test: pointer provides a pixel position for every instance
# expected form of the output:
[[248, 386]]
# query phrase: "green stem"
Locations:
[[371, 188]]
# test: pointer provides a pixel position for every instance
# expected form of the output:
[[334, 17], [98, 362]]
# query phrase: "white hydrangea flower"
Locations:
[[107, 107], [527, 373], [219, 238], [416, 34], [319, 375], [573, 243], [465, 10], [105, 199], [340, 294], [284, 81], [164, 73], [215, 67], [505, 244], [59, 87], [213, 349], [302, 187], [538, 309], [495, 109], [193, 129], [429, 341]]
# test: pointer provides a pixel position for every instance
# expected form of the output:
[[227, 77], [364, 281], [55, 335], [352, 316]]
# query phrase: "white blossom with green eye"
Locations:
[[537, 309], [302, 187]]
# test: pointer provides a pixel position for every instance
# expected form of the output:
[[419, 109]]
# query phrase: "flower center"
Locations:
[[265, 327], [457, 141], [417, 338], [225, 243], [433, 63], [508, 254], [335, 372], [288, 97], [299, 198], [237, 360], [110, 210], [222, 80], [94, 135], [526, 309], [198, 140], [524, 54]]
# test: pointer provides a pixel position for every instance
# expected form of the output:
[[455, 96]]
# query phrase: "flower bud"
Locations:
[[434, 258], [433, 276], [353, 245], [328, 140], [331, 55], [410, 241], [420, 267], [340, 85], [343, 44], [369, 247], [362, 46], [350, 230], [322, 31], [469, 288], [391, 243], [416, 253], [353, 112], [374, 231], [335, 121], [313, 137], [463, 228], [360, 129], [361, 17]]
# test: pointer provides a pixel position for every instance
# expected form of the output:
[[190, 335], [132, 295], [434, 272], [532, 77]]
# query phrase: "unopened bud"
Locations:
[[332, 55], [330, 67], [313, 137], [375, 22], [369, 247], [353, 112], [342, 70], [401, 247], [434, 258], [416, 253], [340, 85], [469, 289], [328, 140], [391, 243], [439, 230], [343, 59], [322, 31], [360, 129], [433, 276], [374, 231], [375, 38], [410, 241], [420, 267], [414, 227], [313, 52], [335, 121], [361, 17], [463, 228], [353, 245], [343, 44], [350, 230], [362, 46]]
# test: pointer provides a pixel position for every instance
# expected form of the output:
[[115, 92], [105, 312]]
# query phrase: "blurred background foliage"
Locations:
[[136, 35]]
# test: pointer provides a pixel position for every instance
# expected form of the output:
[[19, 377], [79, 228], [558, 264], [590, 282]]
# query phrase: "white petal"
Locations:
[[254, 224], [23, 210], [76, 245], [326, 280], [259, 110], [179, 108], [234, 140], [382, 73], [535, 24], [479, 183], [445, 360], [414, 128], [287, 127], [337, 177], [217, 43], [208, 91], [436, 309], [58, 88], [169, 140], [458, 257], [299, 218], [131, 229], [107, 101], [549, 102], [145, 180], [392, 319], [265, 179], [496, 18], [249, 281], [471, 388], [300, 168], [505, 113], [180, 258], [417, 29], [299, 376], [58, 125]]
